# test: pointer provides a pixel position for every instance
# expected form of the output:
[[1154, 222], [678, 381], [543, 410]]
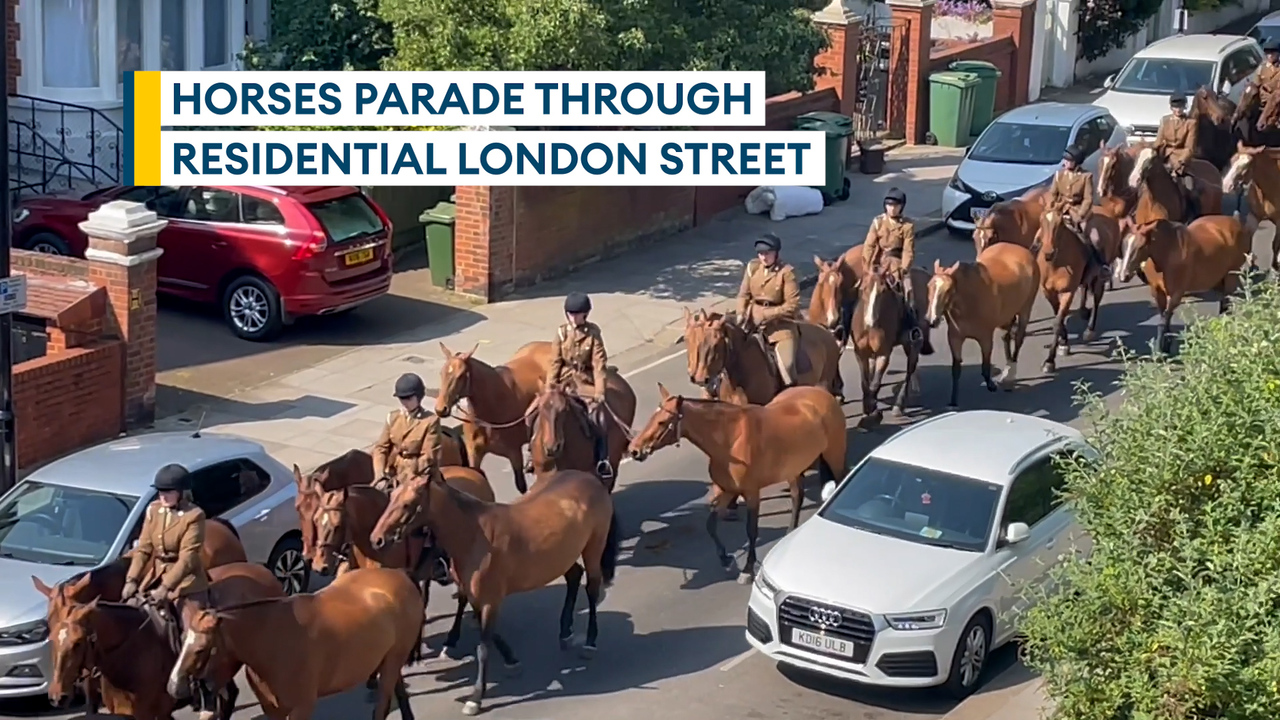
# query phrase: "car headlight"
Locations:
[[26, 634], [928, 620], [765, 585], [20, 214], [954, 183]]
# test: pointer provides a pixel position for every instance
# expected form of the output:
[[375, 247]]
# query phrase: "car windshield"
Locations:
[[347, 218], [61, 525], [1164, 76], [1021, 144], [1262, 33], [915, 504]]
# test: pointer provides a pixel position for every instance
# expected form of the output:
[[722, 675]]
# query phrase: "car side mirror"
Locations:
[[1016, 532], [967, 149], [828, 489], [1111, 80]]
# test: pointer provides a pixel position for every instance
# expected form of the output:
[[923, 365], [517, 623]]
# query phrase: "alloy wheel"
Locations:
[[249, 309]]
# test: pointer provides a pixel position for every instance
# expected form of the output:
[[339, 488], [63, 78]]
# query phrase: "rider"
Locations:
[[1176, 145], [768, 301], [1268, 78], [891, 244], [410, 441], [1072, 189], [578, 360]]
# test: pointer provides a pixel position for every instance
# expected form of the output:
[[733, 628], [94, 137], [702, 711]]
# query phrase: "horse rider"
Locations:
[[768, 301], [166, 570], [891, 245], [579, 360], [410, 440], [1268, 77], [1072, 190], [1176, 146]]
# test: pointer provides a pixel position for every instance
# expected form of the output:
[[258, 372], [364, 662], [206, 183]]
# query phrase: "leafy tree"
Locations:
[[322, 35], [1175, 614], [1106, 25]]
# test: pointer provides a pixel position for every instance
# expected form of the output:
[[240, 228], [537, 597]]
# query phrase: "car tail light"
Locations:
[[315, 245]]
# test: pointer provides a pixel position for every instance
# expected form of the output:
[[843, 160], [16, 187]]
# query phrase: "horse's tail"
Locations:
[[227, 524], [609, 558]]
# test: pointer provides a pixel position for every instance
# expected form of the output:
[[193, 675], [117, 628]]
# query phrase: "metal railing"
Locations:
[[57, 146]]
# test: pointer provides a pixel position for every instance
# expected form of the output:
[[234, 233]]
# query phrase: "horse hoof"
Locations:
[[566, 643], [586, 652], [731, 516], [992, 387], [897, 412], [745, 578], [471, 709], [514, 669], [1088, 336], [727, 564], [953, 406], [207, 715], [1048, 368], [447, 653]]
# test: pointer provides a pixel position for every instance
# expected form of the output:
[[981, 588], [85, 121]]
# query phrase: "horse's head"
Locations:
[[1047, 238], [455, 379], [1111, 168], [1136, 246], [73, 635], [828, 296], [942, 291], [407, 503], [1205, 105], [1239, 172], [306, 501], [877, 288], [708, 348], [662, 429], [1248, 102], [332, 540], [695, 339], [984, 231], [547, 428], [1144, 164], [201, 642]]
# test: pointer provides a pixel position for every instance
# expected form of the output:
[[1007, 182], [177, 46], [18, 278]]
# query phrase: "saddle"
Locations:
[[803, 363]]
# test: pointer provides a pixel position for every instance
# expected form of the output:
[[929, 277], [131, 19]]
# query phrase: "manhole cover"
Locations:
[[413, 359]]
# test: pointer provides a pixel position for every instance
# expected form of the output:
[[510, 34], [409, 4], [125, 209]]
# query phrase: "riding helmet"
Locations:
[[895, 196], [1074, 154], [410, 386], [1272, 45], [1177, 99], [172, 477], [768, 242], [577, 302]]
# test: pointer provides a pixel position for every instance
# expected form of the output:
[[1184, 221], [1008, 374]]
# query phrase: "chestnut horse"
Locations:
[[1012, 221], [1258, 170], [1115, 198], [877, 330], [996, 291], [1214, 138], [751, 447], [498, 399], [131, 651], [562, 435], [1071, 264], [299, 649], [1160, 196], [834, 293], [1185, 259], [499, 550]]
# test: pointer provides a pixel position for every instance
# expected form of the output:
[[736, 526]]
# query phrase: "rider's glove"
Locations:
[[130, 589], [159, 594]]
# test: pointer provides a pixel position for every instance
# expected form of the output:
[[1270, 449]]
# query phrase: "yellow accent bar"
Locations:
[[146, 128]]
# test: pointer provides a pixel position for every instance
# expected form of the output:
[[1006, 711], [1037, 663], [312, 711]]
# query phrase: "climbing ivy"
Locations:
[[1106, 25]]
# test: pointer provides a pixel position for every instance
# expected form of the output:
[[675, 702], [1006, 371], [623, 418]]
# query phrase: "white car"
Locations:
[[1138, 96], [915, 567], [85, 510], [1022, 150]]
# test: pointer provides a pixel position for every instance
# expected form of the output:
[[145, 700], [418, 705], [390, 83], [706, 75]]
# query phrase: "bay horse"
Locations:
[[1012, 221], [563, 437], [498, 399], [298, 649], [1116, 199], [1160, 196], [749, 448], [1071, 264], [1184, 259], [996, 291], [1214, 137], [132, 651], [1257, 171], [877, 330], [499, 550], [834, 293]]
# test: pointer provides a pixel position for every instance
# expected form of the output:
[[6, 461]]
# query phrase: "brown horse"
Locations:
[[499, 400], [132, 651], [996, 291], [877, 330], [563, 436], [343, 520], [1259, 169], [1012, 221], [299, 649], [499, 550], [1115, 198], [1070, 264], [751, 447], [1212, 114], [727, 362], [1184, 259], [1160, 196], [831, 305]]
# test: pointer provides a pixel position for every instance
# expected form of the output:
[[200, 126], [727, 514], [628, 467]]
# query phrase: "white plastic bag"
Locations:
[[759, 200], [789, 202]]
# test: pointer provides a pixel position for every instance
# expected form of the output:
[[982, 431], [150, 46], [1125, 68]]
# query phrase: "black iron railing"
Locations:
[[60, 146]]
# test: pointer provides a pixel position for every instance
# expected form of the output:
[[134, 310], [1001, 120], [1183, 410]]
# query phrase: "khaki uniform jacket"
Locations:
[[888, 236], [168, 551], [578, 358], [1268, 79], [408, 445], [1072, 193], [1176, 141], [769, 298]]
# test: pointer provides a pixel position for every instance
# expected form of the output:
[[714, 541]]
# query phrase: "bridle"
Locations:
[[340, 549], [673, 424]]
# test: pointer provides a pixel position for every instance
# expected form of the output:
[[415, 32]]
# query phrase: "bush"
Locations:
[[1175, 614]]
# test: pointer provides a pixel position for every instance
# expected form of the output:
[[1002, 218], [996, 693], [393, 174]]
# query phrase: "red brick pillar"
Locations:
[[13, 65], [909, 68], [484, 240], [838, 64], [122, 257], [1017, 19]]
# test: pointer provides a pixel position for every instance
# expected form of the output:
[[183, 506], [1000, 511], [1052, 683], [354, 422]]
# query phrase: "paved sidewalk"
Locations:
[[1002, 701], [639, 296]]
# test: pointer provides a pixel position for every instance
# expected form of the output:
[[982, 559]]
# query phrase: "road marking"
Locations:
[[652, 365], [737, 660]]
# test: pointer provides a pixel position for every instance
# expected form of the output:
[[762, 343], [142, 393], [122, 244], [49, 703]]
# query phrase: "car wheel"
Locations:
[[252, 309], [289, 566], [845, 189], [48, 243], [970, 658]]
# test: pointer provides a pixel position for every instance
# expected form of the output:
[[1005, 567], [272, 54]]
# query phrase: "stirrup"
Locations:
[[604, 470]]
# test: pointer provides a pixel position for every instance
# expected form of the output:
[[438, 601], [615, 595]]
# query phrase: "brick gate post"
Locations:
[[484, 240], [1017, 19], [909, 66], [122, 257], [840, 60]]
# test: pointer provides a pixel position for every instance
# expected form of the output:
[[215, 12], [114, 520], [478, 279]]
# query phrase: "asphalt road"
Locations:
[[671, 639]]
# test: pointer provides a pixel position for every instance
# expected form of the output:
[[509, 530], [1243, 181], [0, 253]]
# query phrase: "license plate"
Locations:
[[979, 213], [821, 643], [356, 257]]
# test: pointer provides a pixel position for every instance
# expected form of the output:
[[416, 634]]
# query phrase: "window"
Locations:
[[256, 211], [1239, 65], [69, 37], [1164, 76], [128, 37], [347, 218], [1021, 144], [217, 17], [60, 525], [221, 487], [163, 201], [1035, 492], [212, 205], [173, 35]]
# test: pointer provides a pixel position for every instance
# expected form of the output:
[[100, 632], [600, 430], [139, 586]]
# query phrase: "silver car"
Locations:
[[85, 510]]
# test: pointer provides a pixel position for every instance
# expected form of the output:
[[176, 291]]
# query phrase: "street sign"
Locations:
[[13, 294]]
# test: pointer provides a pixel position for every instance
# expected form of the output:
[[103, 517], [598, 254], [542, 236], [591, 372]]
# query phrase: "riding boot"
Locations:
[[786, 354], [603, 468]]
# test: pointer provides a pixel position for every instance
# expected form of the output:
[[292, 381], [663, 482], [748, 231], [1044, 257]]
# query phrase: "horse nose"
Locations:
[[693, 379], [444, 412], [60, 701], [379, 542], [637, 455]]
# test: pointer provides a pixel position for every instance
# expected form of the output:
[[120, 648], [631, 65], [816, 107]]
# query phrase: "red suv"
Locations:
[[266, 255]]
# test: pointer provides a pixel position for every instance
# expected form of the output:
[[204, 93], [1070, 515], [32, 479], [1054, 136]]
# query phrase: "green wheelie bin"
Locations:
[[839, 130], [951, 107], [439, 222], [984, 98]]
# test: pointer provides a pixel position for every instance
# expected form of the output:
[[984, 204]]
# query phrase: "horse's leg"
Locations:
[[1098, 289], [1166, 317], [517, 470], [913, 359], [302, 711], [796, 490], [595, 583], [227, 698], [713, 522], [877, 380], [869, 401], [1061, 304], [472, 706], [572, 580], [748, 573], [956, 343], [985, 343], [455, 631]]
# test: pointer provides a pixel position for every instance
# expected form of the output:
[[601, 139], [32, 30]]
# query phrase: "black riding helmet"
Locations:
[[1178, 99], [768, 242], [577, 302], [895, 196], [172, 477], [410, 386], [1271, 46], [1074, 154]]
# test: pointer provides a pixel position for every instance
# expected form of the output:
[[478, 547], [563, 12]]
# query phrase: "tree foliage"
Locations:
[[322, 35], [1106, 25], [1175, 615]]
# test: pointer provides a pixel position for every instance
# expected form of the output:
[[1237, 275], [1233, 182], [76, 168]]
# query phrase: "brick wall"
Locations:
[[13, 66], [999, 51], [67, 400]]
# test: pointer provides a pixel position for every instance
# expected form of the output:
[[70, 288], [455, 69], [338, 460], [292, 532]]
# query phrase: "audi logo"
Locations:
[[990, 196], [824, 617]]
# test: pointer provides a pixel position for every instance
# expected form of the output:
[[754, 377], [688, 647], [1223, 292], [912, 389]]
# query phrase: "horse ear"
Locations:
[[1102, 145], [43, 589], [662, 391], [448, 354], [81, 584], [817, 261], [688, 316], [297, 475], [954, 266], [468, 354], [937, 266]]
